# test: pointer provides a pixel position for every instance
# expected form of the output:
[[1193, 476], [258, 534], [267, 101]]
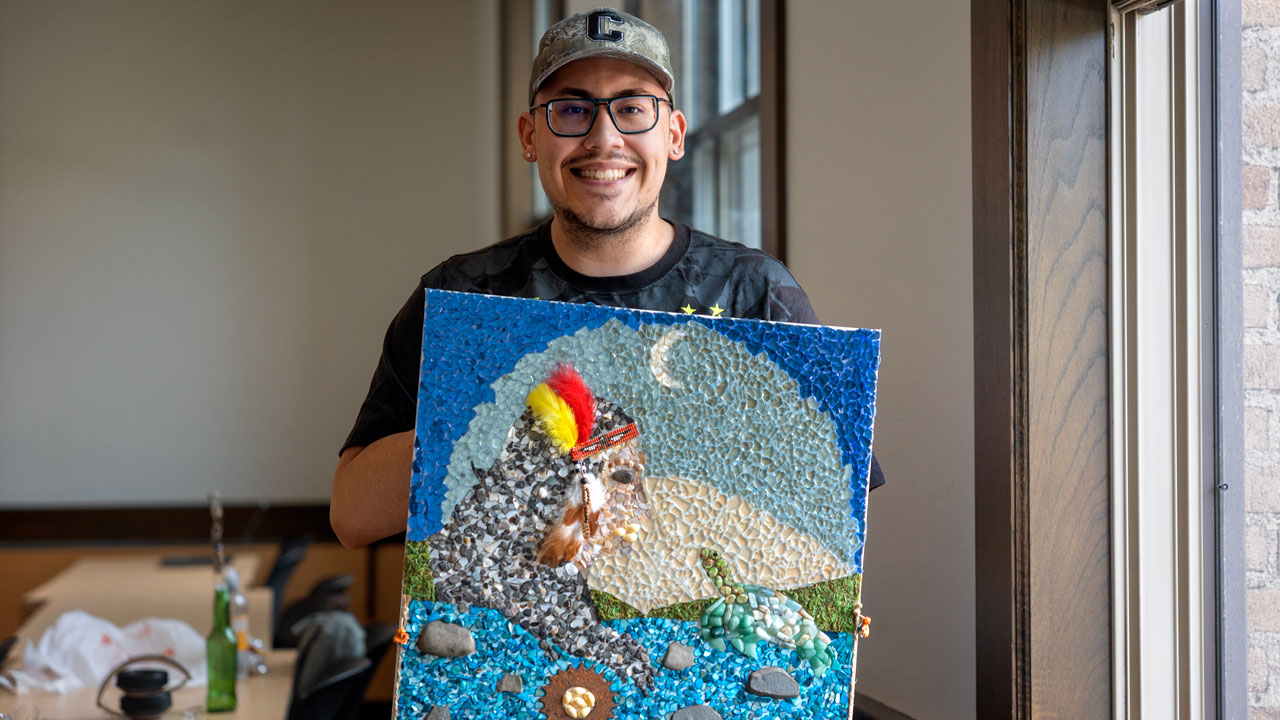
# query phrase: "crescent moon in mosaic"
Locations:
[[658, 358]]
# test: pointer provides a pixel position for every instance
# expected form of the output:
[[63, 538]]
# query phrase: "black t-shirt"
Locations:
[[698, 273]]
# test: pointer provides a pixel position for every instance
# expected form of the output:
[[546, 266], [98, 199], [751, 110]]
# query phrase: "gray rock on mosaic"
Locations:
[[511, 683], [438, 713], [772, 682], [696, 712], [678, 657], [446, 640]]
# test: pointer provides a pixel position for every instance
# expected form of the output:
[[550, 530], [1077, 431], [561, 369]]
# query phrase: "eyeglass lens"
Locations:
[[630, 114]]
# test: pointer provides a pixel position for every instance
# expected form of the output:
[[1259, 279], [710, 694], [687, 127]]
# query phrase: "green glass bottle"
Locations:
[[220, 651]]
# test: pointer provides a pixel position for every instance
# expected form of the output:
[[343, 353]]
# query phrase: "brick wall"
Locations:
[[1261, 79]]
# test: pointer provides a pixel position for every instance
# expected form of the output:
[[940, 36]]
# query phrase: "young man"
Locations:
[[601, 127]]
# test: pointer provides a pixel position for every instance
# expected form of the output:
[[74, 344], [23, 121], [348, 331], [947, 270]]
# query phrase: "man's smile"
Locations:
[[606, 174], [603, 170]]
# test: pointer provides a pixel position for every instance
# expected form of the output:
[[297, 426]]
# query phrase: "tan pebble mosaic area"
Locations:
[[684, 515]]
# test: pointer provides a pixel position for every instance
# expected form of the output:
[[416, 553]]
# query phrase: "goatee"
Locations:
[[590, 237]]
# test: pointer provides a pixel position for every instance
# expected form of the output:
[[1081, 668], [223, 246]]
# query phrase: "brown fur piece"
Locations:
[[563, 541]]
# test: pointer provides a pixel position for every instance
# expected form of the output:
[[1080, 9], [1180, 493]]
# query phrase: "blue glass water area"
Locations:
[[467, 685]]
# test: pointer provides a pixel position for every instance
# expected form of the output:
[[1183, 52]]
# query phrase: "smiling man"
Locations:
[[602, 125]]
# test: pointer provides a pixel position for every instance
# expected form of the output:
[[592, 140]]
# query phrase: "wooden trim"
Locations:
[[1042, 485], [142, 525], [773, 128], [998, 422], [516, 196]]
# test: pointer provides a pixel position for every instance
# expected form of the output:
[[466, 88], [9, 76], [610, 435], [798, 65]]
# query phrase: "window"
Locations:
[[716, 54], [1175, 449]]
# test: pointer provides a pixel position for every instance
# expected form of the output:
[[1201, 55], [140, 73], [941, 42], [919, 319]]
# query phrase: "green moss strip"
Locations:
[[418, 583], [609, 607], [831, 603]]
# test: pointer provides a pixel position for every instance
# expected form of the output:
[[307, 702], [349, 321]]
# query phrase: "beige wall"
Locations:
[[209, 212], [879, 233]]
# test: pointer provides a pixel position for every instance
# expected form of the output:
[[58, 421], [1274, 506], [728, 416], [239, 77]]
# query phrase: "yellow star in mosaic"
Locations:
[[688, 309], [716, 310]]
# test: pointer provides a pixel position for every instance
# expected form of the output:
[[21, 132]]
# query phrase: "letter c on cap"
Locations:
[[595, 26]]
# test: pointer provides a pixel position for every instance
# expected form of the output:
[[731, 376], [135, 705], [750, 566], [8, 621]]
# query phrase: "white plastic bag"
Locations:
[[78, 651]]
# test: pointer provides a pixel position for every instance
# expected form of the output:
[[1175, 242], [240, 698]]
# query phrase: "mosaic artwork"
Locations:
[[634, 515]]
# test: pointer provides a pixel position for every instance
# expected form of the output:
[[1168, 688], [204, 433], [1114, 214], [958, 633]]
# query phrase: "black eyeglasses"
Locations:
[[631, 114]]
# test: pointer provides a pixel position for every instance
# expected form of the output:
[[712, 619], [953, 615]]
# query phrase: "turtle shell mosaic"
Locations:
[[629, 514]]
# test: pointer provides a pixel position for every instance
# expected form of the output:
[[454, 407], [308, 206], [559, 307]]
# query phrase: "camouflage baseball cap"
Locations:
[[603, 32]]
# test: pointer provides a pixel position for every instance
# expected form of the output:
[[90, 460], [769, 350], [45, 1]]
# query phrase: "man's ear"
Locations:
[[677, 126], [525, 127]]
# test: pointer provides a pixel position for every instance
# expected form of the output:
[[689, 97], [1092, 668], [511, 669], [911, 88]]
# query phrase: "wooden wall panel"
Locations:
[[1067, 381]]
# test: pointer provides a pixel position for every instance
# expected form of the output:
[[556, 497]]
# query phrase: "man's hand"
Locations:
[[371, 490]]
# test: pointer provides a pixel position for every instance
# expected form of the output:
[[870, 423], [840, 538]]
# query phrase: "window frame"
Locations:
[[1222, 218], [1203, 613]]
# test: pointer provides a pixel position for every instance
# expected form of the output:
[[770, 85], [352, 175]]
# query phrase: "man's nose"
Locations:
[[603, 133]]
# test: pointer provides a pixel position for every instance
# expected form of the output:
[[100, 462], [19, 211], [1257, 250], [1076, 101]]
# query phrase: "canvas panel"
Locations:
[[630, 514]]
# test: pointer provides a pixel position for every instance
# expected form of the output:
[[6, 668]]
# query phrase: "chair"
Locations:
[[338, 691], [292, 551], [333, 585], [329, 696], [327, 594], [378, 638]]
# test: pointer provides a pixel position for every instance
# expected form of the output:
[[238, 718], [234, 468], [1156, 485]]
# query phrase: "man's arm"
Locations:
[[371, 490], [370, 498]]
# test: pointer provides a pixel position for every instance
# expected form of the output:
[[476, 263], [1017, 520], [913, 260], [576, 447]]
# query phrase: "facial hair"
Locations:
[[586, 236]]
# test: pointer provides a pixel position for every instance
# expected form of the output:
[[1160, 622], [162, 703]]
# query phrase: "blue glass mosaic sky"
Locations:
[[470, 340]]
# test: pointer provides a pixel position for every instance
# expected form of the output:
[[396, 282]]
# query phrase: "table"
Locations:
[[141, 574], [262, 697], [124, 589]]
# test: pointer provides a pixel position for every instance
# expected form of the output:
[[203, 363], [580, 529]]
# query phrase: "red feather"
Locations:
[[569, 385]]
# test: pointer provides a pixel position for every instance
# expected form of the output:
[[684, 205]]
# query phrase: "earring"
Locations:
[[529, 155]]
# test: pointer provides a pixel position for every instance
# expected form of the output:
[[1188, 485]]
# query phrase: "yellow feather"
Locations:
[[554, 417]]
